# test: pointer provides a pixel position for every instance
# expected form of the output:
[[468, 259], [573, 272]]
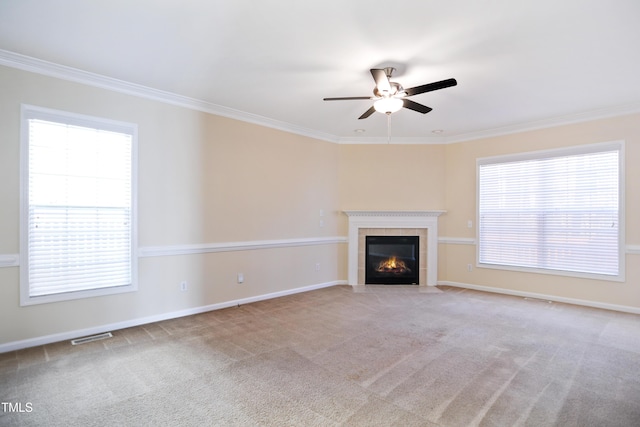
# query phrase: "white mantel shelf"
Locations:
[[394, 219], [394, 213]]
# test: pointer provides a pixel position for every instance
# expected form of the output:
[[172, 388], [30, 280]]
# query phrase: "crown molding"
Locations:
[[602, 113], [436, 140], [39, 66], [619, 110]]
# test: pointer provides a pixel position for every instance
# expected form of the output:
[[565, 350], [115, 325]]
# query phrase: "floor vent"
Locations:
[[538, 300], [91, 338]]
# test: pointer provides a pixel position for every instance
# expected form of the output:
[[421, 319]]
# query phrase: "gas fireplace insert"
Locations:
[[392, 260]]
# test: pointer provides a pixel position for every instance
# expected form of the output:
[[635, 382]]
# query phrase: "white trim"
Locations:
[[457, 240], [9, 260], [394, 140], [571, 150], [13, 260], [152, 251], [48, 339], [394, 219], [400, 214], [629, 249], [28, 112], [586, 116], [616, 145], [34, 65], [575, 301]]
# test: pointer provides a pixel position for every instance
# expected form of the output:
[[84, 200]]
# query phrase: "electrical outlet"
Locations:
[[183, 286], [317, 266], [469, 267], [240, 277]]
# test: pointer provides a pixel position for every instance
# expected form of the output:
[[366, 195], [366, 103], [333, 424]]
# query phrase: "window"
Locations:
[[557, 211], [78, 216]]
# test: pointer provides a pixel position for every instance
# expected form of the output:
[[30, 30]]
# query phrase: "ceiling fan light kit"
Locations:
[[388, 105], [391, 96]]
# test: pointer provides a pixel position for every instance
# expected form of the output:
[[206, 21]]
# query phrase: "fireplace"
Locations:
[[392, 260], [393, 223]]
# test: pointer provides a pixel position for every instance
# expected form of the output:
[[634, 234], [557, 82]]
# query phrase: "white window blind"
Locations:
[[550, 211], [79, 227]]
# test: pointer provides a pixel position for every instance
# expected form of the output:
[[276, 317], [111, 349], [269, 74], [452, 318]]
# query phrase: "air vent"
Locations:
[[92, 338], [537, 300]]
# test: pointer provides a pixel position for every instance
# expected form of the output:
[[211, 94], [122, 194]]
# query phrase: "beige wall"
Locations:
[[205, 179], [461, 204], [409, 177]]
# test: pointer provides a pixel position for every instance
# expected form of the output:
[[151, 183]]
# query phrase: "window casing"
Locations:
[[557, 211], [78, 206]]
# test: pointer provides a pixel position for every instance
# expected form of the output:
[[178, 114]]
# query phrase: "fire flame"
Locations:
[[392, 265]]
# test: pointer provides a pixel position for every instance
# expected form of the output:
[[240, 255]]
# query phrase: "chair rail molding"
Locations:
[[9, 260]]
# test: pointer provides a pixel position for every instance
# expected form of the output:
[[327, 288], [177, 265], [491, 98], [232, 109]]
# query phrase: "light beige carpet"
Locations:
[[389, 355]]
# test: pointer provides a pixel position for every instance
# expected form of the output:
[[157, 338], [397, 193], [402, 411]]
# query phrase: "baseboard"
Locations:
[[575, 301], [48, 339]]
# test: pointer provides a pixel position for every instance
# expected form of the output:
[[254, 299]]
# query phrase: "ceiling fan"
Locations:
[[391, 96]]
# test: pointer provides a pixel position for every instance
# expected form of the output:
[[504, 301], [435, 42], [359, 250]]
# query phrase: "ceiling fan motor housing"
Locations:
[[395, 89]]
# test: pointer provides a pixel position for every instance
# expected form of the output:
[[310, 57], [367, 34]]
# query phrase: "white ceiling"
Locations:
[[519, 63]]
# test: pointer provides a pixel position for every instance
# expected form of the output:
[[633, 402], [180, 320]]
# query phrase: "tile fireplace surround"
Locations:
[[380, 220]]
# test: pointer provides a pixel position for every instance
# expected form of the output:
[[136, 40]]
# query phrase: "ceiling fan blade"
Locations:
[[367, 113], [430, 87], [382, 81], [346, 98], [407, 103]]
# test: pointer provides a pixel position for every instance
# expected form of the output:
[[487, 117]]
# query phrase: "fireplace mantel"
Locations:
[[394, 219], [412, 214]]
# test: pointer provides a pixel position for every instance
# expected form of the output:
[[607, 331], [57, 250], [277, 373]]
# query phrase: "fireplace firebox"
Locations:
[[392, 260]]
